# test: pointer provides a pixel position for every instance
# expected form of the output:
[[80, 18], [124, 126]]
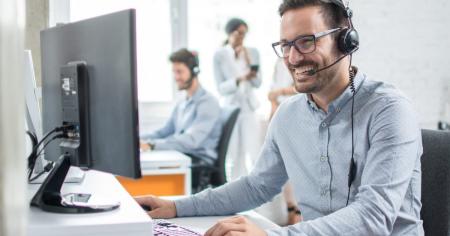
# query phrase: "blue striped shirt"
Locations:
[[312, 149]]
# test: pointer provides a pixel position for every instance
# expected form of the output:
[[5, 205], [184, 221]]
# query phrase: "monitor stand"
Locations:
[[74, 175], [49, 197]]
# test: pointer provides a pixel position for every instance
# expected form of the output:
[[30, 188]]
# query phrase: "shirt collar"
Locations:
[[342, 99], [231, 51], [197, 94]]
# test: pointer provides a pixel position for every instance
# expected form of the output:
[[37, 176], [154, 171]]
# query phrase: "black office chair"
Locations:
[[213, 176], [436, 182], [442, 125]]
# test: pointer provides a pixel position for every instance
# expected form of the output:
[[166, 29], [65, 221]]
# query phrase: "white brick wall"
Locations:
[[406, 43]]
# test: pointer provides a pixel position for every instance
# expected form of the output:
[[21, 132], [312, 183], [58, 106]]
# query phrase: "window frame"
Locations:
[[59, 13]]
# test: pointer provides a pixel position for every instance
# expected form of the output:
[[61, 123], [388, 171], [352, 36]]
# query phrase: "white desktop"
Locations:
[[128, 219]]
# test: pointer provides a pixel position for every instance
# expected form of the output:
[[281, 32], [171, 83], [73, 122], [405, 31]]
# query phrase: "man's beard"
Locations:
[[320, 79]]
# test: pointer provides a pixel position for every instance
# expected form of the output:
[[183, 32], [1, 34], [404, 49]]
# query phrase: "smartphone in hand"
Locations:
[[254, 68]]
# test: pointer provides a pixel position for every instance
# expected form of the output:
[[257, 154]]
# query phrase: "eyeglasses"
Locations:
[[303, 44]]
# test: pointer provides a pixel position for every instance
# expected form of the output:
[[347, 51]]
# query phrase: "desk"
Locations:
[[128, 219], [163, 173], [202, 223]]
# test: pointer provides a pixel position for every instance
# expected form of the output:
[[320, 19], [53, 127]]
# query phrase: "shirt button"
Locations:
[[324, 124], [323, 158]]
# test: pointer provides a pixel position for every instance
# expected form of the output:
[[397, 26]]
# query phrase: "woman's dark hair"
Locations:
[[333, 15], [232, 25]]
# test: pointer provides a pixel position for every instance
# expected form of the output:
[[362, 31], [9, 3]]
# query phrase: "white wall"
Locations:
[[36, 20], [12, 157], [406, 43]]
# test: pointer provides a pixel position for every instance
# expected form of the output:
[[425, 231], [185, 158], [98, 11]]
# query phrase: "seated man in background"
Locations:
[[193, 127]]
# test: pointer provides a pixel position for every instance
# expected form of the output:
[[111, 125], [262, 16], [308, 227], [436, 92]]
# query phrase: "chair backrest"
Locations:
[[228, 118], [436, 182]]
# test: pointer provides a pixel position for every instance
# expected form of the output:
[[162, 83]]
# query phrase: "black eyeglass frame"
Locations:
[[291, 43]]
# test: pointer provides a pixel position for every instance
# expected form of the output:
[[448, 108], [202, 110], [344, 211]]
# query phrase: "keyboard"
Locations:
[[165, 228]]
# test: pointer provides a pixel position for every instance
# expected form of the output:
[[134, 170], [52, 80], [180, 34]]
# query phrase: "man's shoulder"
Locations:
[[383, 101], [295, 102], [381, 92], [208, 99]]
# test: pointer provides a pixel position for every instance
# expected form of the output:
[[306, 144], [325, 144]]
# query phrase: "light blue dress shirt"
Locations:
[[193, 128], [312, 149]]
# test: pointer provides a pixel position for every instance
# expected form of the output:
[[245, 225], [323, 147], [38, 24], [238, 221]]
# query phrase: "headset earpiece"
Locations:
[[348, 41], [194, 65]]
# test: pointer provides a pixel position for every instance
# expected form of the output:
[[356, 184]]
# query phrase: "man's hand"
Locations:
[[145, 146], [160, 208], [237, 225]]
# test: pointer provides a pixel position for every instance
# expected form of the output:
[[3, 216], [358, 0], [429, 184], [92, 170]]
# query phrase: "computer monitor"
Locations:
[[89, 86], [32, 108]]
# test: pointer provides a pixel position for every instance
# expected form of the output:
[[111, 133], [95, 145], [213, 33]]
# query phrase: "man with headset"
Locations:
[[350, 146], [193, 127]]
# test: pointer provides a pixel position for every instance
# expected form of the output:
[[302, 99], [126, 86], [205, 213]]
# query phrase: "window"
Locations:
[[206, 23], [153, 36]]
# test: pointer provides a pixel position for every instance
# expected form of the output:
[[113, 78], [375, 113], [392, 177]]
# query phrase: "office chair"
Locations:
[[213, 176], [442, 125], [436, 182]]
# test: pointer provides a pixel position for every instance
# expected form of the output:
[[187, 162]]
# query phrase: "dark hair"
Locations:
[[233, 24], [333, 14], [186, 57]]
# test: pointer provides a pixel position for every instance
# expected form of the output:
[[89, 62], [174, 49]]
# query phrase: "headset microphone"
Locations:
[[315, 71], [188, 83]]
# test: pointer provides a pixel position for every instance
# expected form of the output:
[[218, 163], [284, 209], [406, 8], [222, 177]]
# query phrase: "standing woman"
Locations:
[[236, 70]]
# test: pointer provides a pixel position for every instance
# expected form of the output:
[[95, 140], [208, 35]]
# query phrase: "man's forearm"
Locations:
[[228, 199]]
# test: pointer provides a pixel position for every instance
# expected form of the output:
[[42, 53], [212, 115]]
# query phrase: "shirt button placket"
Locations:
[[324, 191]]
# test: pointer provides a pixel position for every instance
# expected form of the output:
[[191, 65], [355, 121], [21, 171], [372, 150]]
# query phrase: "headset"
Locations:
[[193, 65], [348, 43], [348, 39]]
